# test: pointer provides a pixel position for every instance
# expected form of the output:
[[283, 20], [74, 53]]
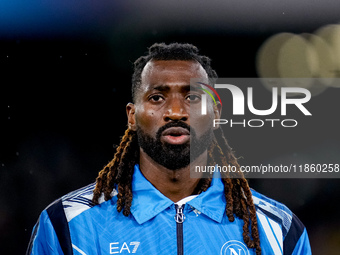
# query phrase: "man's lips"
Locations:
[[175, 135], [176, 131]]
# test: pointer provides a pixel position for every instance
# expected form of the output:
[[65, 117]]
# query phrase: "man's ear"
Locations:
[[130, 112], [217, 113]]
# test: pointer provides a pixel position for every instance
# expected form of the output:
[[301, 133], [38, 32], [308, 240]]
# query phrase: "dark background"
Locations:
[[65, 80]]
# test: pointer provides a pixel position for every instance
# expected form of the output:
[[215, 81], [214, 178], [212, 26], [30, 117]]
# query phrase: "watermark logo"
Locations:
[[248, 105], [281, 97], [234, 248], [204, 97]]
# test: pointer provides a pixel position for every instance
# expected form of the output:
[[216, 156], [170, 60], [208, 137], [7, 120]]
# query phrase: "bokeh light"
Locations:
[[312, 60]]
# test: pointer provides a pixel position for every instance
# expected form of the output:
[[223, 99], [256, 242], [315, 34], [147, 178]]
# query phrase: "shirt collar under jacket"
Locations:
[[147, 201]]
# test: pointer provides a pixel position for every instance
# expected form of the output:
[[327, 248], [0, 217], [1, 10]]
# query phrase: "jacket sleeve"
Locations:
[[296, 242], [44, 239], [303, 246], [51, 235]]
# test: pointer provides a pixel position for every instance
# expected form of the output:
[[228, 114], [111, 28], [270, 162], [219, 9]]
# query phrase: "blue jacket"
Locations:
[[74, 225]]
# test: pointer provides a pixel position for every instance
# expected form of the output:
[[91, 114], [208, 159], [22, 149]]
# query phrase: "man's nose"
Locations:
[[176, 110]]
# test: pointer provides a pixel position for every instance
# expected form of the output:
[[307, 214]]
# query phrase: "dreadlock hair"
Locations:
[[117, 174]]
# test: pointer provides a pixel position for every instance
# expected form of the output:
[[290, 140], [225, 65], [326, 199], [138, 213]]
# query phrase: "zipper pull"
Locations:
[[179, 217]]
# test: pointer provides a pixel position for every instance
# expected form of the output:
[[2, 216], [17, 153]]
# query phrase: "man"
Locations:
[[145, 202]]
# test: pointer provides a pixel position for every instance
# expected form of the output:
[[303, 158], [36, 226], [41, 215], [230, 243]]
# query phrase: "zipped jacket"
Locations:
[[156, 225]]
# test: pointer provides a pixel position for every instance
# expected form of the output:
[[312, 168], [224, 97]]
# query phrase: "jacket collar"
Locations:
[[212, 202], [147, 201]]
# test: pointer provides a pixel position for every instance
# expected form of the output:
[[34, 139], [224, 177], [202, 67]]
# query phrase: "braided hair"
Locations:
[[118, 173]]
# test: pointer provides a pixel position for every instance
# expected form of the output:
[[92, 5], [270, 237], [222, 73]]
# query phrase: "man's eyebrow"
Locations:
[[162, 88], [194, 88]]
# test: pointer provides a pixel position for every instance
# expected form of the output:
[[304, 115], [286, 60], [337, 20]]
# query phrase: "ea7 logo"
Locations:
[[116, 248], [234, 248]]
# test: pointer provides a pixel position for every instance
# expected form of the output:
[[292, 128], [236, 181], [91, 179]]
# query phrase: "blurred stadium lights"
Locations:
[[312, 58]]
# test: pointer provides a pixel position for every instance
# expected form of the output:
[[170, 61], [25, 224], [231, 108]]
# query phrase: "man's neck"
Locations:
[[174, 184]]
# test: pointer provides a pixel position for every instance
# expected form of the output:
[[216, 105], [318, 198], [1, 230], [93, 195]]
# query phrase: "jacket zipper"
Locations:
[[179, 228]]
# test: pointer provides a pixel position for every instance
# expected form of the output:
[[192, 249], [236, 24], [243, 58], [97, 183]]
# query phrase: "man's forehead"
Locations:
[[165, 72], [160, 67], [172, 72]]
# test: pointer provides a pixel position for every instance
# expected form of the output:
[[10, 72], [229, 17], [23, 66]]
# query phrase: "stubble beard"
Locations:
[[172, 156]]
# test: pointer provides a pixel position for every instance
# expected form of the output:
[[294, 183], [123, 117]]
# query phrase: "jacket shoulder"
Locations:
[[276, 211], [76, 202], [294, 236]]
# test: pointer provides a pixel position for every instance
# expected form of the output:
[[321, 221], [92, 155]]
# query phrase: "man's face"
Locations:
[[167, 113]]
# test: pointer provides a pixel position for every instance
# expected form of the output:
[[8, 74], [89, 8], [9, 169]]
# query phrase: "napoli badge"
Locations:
[[234, 247]]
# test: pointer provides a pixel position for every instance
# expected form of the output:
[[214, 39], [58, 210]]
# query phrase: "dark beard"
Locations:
[[172, 156]]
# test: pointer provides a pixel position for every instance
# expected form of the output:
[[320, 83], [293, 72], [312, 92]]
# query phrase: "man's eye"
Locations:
[[193, 98], [156, 98]]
